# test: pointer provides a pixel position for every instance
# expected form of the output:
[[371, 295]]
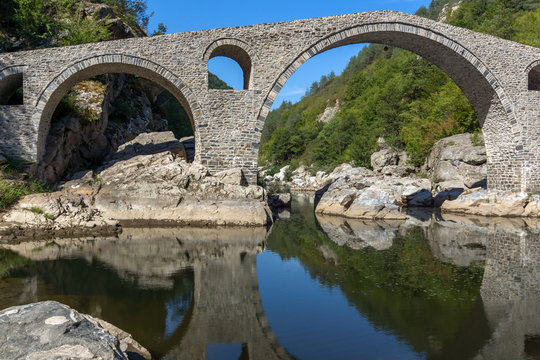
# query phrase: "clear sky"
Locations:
[[181, 16]]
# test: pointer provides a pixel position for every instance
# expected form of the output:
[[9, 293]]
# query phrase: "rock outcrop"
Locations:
[[456, 162], [494, 203], [362, 194], [101, 116], [50, 330], [147, 181], [389, 161]]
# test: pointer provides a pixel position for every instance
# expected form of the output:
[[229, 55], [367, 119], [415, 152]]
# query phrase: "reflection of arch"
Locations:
[[227, 305], [11, 78], [236, 50], [53, 92], [469, 73], [533, 75]]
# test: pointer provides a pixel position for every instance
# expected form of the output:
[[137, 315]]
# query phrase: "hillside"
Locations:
[[389, 92]]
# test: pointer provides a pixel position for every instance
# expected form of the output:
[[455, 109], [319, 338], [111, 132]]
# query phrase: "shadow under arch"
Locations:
[[11, 78], [50, 96], [494, 109], [533, 76]]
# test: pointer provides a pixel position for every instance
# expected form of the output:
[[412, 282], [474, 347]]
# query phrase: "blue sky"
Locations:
[[181, 16]]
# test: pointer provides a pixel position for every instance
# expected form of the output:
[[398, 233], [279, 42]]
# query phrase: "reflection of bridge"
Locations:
[[226, 308], [510, 288], [500, 78]]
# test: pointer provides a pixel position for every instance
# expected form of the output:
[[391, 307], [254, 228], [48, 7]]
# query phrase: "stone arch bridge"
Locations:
[[500, 78]]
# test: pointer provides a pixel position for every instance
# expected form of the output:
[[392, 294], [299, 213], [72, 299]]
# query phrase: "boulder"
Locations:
[[232, 177], [50, 330], [457, 159], [488, 203], [384, 156], [390, 162]]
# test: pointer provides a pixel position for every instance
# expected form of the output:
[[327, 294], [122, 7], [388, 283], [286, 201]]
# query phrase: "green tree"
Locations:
[[32, 22], [161, 30]]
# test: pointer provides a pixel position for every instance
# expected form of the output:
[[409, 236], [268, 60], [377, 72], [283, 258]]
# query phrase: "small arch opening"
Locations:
[[231, 57], [225, 74], [11, 90], [534, 78]]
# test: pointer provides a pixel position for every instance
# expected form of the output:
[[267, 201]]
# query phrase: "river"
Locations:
[[431, 287]]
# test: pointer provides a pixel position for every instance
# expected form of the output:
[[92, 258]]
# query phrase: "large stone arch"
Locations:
[[52, 93], [484, 91], [238, 51]]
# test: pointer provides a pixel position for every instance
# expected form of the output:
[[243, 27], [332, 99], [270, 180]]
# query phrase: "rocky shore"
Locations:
[[452, 179], [146, 181], [50, 330]]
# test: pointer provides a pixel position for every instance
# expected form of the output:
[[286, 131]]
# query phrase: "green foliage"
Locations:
[[388, 92], [133, 12], [517, 20], [36, 210], [175, 114], [13, 187], [33, 23], [12, 191], [85, 30], [69, 106], [477, 140], [63, 22], [216, 83], [161, 30]]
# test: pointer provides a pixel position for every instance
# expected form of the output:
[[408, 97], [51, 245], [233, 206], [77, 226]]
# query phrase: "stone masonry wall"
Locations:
[[492, 72]]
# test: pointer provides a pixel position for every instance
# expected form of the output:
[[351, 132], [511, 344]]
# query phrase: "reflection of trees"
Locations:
[[404, 289]]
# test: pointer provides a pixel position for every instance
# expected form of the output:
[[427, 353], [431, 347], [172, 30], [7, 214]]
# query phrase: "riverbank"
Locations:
[[453, 179], [146, 181]]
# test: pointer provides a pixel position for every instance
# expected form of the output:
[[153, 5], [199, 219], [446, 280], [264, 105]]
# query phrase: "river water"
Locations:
[[433, 287]]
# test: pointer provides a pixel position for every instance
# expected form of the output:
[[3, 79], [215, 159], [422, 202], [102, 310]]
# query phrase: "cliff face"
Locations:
[[99, 114], [93, 119]]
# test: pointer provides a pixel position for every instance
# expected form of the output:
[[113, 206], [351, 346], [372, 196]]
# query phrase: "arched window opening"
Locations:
[[101, 113], [11, 90], [534, 78], [225, 74], [227, 55]]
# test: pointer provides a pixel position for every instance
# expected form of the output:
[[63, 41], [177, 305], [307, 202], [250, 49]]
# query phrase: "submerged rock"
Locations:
[[50, 330]]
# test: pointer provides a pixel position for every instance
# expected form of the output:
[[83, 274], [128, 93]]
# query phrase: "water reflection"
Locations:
[[437, 287], [509, 250]]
